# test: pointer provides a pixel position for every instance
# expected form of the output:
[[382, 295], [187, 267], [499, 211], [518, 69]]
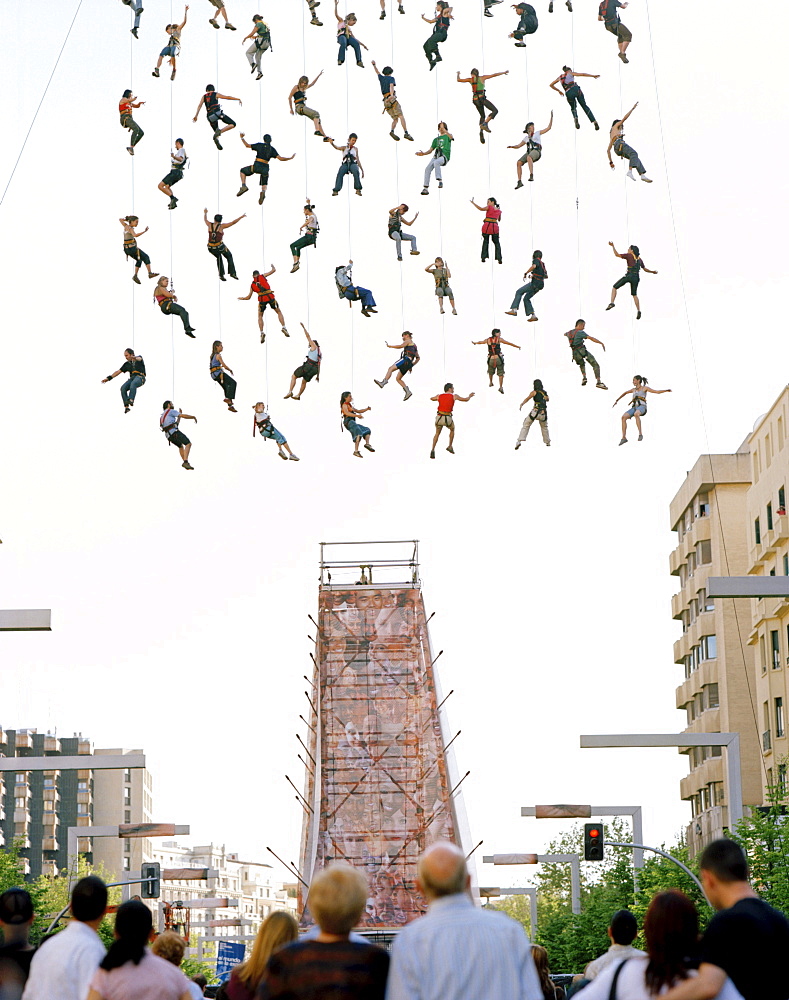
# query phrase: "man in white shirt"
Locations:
[[622, 933], [63, 966]]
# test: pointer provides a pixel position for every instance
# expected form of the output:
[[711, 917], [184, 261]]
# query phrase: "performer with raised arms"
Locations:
[[446, 403], [576, 337], [607, 12], [266, 298], [616, 141], [408, 358], [490, 227], [130, 248], [216, 243], [392, 107], [440, 29], [346, 37], [632, 258], [351, 164], [441, 275], [264, 152], [298, 96], [495, 356], [638, 404], [395, 229], [479, 99], [172, 49], [309, 369], [533, 144], [214, 113], [574, 94]]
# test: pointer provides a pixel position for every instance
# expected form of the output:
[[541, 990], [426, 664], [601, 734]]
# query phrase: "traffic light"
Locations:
[[593, 842], [150, 874]]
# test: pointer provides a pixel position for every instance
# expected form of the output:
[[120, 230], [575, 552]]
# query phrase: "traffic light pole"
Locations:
[[663, 854], [110, 885]]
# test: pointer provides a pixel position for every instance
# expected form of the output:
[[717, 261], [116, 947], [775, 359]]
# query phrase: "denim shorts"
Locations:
[[640, 410]]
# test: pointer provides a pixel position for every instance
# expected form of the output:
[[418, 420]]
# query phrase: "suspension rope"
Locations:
[[172, 329], [348, 202], [218, 155], [487, 149], [531, 204], [306, 158], [397, 177], [263, 247], [441, 247], [577, 203], [627, 231], [131, 84]]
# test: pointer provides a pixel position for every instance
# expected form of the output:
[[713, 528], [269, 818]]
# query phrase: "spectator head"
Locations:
[[89, 900], [133, 923], [201, 981], [278, 929], [338, 896], [16, 914], [169, 946], [671, 929], [623, 927], [442, 871], [723, 868], [540, 956]]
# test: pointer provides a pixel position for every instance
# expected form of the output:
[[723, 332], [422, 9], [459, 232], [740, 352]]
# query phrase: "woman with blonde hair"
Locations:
[[278, 929]]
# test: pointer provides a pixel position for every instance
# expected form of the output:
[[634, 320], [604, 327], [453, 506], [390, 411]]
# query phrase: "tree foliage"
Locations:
[[764, 836]]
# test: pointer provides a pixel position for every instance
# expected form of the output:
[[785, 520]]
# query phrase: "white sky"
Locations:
[[180, 601]]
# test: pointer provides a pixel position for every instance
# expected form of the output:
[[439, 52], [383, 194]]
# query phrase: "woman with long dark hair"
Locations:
[[278, 929], [490, 227], [129, 969], [538, 412], [638, 404], [540, 956], [535, 282], [356, 430], [223, 375]]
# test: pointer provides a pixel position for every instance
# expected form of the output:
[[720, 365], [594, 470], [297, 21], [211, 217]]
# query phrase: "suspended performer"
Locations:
[[624, 36], [310, 228], [441, 275], [223, 375], [216, 243], [535, 282], [261, 36], [392, 107], [168, 422], [167, 301], [409, 357], [298, 96], [395, 229], [538, 412], [347, 289], [309, 369], [533, 144], [491, 3], [264, 152], [137, 9], [638, 404], [130, 248], [446, 403], [346, 37], [172, 49], [266, 298], [356, 430], [220, 9], [134, 367], [439, 153], [351, 164], [577, 336], [214, 113], [616, 141], [177, 163], [527, 23], [125, 105], [261, 423], [440, 28], [635, 265], [574, 94], [490, 227], [312, 4], [478, 98], [495, 356]]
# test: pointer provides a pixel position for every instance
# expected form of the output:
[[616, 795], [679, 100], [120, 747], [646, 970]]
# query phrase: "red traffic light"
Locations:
[[593, 832], [594, 847]]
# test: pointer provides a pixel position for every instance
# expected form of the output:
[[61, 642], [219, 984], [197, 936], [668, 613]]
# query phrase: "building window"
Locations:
[[691, 563], [126, 864], [704, 552], [782, 780], [713, 699], [766, 739], [49, 782], [21, 779], [704, 505], [763, 653], [775, 649], [20, 802], [127, 796], [127, 816], [781, 501], [716, 751], [770, 516], [757, 531], [49, 807], [82, 786], [786, 564], [82, 809], [779, 717], [708, 647], [127, 776], [688, 661]]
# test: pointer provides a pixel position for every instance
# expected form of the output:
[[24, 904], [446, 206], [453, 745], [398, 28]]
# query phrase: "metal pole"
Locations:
[[663, 854], [734, 775], [575, 883]]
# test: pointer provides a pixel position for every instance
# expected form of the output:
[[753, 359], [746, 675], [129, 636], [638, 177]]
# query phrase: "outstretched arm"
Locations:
[[616, 252], [526, 400], [657, 392], [521, 143], [480, 208], [548, 126], [463, 399], [109, 378], [554, 87], [241, 137], [407, 223], [270, 272], [315, 80], [227, 225], [490, 76], [199, 105], [245, 298], [182, 25], [620, 396], [592, 76], [466, 79], [595, 341], [336, 12], [630, 112], [286, 158], [645, 268], [509, 343]]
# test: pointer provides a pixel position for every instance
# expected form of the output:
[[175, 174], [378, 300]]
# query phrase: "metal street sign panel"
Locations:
[[748, 586], [188, 874], [510, 859], [81, 762], [209, 903], [562, 812], [128, 830], [26, 621]]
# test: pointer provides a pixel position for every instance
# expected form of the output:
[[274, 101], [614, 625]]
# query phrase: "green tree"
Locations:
[[764, 836], [660, 874], [52, 893], [191, 968]]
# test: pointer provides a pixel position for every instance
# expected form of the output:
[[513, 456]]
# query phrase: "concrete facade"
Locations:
[[121, 797]]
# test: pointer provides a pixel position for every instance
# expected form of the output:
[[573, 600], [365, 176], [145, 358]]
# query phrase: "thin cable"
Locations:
[[218, 285], [306, 158], [46, 89], [172, 329], [131, 84], [531, 204], [487, 149], [348, 202], [263, 242], [397, 177], [577, 205], [441, 246], [627, 229]]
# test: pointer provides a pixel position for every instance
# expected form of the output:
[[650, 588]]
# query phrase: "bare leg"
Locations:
[[291, 387], [624, 425], [451, 438], [436, 437], [531, 167], [501, 381], [402, 122], [225, 129], [519, 166], [637, 303], [165, 189], [280, 317], [638, 423], [452, 303], [613, 294], [399, 379], [260, 321], [301, 390]]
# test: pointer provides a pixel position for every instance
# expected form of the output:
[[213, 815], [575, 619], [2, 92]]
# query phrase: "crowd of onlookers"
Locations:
[[456, 951]]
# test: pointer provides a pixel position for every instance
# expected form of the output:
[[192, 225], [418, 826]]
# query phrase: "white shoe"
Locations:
[[630, 175], [293, 458], [645, 179]]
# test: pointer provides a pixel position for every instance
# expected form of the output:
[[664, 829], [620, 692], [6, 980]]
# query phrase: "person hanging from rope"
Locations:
[[608, 13], [439, 153], [261, 423], [348, 290], [264, 152], [490, 227], [167, 301], [172, 49], [130, 248], [309, 369], [408, 358], [168, 422], [395, 229], [538, 412], [638, 404], [356, 430], [125, 105], [216, 243], [214, 113], [577, 336], [535, 282], [616, 141], [440, 29], [441, 275], [446, 403], [310, 228], [220, 9], [635, 265], [177, 163], [479, 100], [266, 298], [392, 107], [491, 3], [533, 144], [495, 356], [346, 37], [137, 9], [261, 36], [298, 96], [351, 164], [218, 370], [527, 24], [134, 367], [312, 4], [574, 94]]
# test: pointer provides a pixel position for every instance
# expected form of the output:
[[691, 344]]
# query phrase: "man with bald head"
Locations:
[[458, 951]]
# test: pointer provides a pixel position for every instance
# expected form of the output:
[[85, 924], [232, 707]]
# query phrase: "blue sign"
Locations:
[[229, 954]]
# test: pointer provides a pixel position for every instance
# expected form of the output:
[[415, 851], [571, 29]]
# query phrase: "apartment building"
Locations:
[[121, 796]]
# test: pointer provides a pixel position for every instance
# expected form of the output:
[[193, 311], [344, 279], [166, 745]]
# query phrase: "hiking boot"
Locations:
[[424, 191], [155, 72], [316, 22], [293, 458], [450, 449], [136, 280], [519, 185], [283, 454], [623, 57], [173, 203], [186, 465], [482, 137], [380, 384], [596, 126], [212, 22], [242, 190], [126, 409], [407, 135], [230, 27], [638, 314], [623, 441], [601, 385], [172, 75], [394, 136], [408, 394], [383, 16], [610, 306], [222, 277], [134, 32], [432, 454], [259, 76], [440, 184], [584, 380], [285, 331], [217, 143], [262, 197], [130, 150], [154, 274], [369, 447], [415, 253]]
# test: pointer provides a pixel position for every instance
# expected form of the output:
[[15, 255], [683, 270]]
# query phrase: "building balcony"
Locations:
[[24, 741], [84, 747], [84, 821], [21, 816], [84, 845], [51, 795], [50, 819], [84, 796], [710, 770], [675, 560], [705, 828], [84, 775], [50, 844], [780, 528], [49, 868], [51, 744]]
